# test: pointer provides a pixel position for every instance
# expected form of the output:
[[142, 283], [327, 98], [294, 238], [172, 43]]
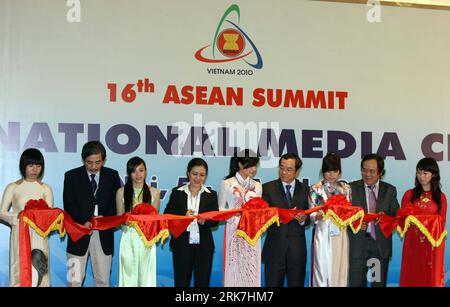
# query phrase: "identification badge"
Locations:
[[194, 233], [334, 230]]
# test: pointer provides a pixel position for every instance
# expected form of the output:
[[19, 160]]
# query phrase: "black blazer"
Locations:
[[178, 205], [79, 202], [386, 202], [278, 238]]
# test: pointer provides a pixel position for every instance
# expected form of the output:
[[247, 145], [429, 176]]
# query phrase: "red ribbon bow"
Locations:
[[43, 220]]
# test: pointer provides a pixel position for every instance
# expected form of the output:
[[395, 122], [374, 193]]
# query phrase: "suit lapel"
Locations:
[[85, 182], [362, 195], [203, 202], [184, 200], [296, 198], [282, 193], [381, 196], [101, 187], [84, 175]]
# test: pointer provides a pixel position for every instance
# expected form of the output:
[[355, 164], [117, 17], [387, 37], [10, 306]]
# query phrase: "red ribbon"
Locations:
[[175, 223], [143, 217], [254, 215], [139, 217], [43, 219], [337, 206], [431, 226]]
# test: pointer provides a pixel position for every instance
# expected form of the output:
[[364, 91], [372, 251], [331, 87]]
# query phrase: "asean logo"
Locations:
[[230, 43]]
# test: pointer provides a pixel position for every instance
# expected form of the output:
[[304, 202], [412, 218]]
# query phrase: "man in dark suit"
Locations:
[[284, 251], [369, 247], [90, 191]]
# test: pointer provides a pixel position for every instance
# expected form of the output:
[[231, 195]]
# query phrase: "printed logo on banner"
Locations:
[[230, 43]]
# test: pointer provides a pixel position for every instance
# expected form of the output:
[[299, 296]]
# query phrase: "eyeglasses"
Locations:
[[287, 169], [369, 171]]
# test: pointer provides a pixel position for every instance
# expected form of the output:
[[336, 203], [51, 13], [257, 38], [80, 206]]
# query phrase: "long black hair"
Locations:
[[428, 165], [128, 192], [246, 157]]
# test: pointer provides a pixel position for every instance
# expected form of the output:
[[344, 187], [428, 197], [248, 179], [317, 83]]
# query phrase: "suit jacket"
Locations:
[[178, 205], [279, 238], [79, 202], [386, 202]]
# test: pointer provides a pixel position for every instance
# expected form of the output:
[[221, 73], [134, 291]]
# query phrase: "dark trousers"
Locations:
[[293, 265], [186, 260], [360, 266]]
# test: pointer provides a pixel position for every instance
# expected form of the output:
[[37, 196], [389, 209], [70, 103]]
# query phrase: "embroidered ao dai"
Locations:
[[330, 245], [242, 262], [16, 195], [422, 264]]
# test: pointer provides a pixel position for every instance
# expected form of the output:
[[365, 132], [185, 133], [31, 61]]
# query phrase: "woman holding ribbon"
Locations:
[[422, 263], [330, 245], [15, 196], [242, 261], [193, 250], [137, 263]]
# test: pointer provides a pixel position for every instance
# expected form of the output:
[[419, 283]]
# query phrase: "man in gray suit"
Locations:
[[369, 247]]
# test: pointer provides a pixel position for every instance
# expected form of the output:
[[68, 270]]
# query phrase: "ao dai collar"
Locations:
[[244, 183]]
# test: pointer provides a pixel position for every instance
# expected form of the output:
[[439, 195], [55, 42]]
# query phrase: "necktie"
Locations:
[[288, 195], [372, 209], [93, 184]]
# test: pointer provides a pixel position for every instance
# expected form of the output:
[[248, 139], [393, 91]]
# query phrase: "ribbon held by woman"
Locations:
[[42, 219]]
